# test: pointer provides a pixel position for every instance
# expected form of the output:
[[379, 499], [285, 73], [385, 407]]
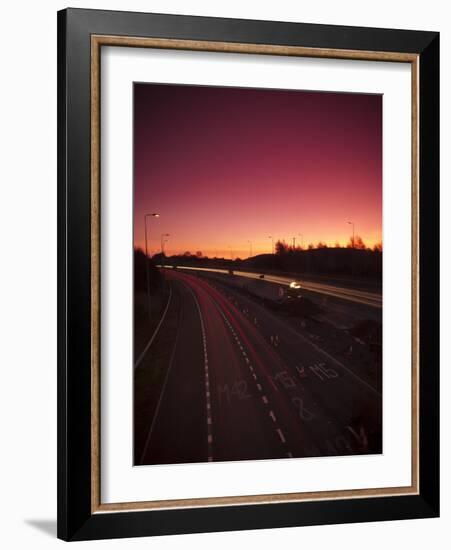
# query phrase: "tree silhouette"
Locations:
[[281, 248], [358, 243]]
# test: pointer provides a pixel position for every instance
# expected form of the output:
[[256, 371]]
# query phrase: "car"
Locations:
[[296, 285]]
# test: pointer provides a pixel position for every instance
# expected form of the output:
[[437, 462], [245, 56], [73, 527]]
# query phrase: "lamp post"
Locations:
[[152, 215], [294, 241], [353, 248], [272, 241], [250, 249], [353, 233], [163, 240]]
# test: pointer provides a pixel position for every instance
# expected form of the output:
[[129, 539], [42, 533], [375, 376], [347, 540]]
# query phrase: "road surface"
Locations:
[[242, 384]]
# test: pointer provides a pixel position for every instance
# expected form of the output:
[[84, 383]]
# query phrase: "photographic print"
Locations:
[[257, 274]]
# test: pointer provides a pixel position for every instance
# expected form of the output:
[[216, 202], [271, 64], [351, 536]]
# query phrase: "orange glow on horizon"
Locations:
[[241, 250]]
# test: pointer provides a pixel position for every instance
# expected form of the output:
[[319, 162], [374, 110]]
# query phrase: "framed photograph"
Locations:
[[248, 274]]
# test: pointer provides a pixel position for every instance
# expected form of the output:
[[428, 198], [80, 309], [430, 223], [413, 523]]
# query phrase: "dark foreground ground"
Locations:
[[228, 378]]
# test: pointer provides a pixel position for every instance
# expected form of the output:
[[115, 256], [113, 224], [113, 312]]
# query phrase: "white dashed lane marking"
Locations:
[[282, 437], [207, 384]]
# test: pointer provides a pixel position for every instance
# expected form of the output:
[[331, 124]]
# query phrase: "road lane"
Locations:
[[176, 434], [241, 427]]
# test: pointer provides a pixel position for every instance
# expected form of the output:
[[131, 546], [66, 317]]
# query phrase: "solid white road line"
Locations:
[[155, 332], [157, 410]]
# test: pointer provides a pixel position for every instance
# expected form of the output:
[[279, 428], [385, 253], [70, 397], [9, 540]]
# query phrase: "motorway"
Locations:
[[372, 299], [242, 384]]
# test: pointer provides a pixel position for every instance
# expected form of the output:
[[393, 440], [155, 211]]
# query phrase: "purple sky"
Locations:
[[223, 166]]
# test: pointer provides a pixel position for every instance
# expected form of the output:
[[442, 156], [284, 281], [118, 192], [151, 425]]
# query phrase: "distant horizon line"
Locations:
[[200, 255]]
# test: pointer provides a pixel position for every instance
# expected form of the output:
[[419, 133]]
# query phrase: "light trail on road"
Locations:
[[371, 299]]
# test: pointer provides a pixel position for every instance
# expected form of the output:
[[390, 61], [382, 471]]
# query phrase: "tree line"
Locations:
[[356, 243]]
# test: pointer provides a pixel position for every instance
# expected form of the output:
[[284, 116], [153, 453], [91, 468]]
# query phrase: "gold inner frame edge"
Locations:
[[97, 41]]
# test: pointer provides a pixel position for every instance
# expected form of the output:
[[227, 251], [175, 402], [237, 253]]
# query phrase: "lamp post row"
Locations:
[[163, 240], [302, 238]]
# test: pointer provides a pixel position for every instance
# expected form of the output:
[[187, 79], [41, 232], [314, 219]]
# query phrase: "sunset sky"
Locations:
[[224, 166]]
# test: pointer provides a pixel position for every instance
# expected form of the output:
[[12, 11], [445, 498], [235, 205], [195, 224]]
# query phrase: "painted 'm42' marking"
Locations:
[[237, 390]]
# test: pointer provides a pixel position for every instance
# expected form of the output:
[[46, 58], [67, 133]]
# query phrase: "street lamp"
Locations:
[[250, 249], [152, 215], [272, 241], [163, 240], [353, 233]]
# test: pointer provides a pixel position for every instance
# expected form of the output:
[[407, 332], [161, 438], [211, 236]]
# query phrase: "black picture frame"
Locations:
[[75, 518]]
